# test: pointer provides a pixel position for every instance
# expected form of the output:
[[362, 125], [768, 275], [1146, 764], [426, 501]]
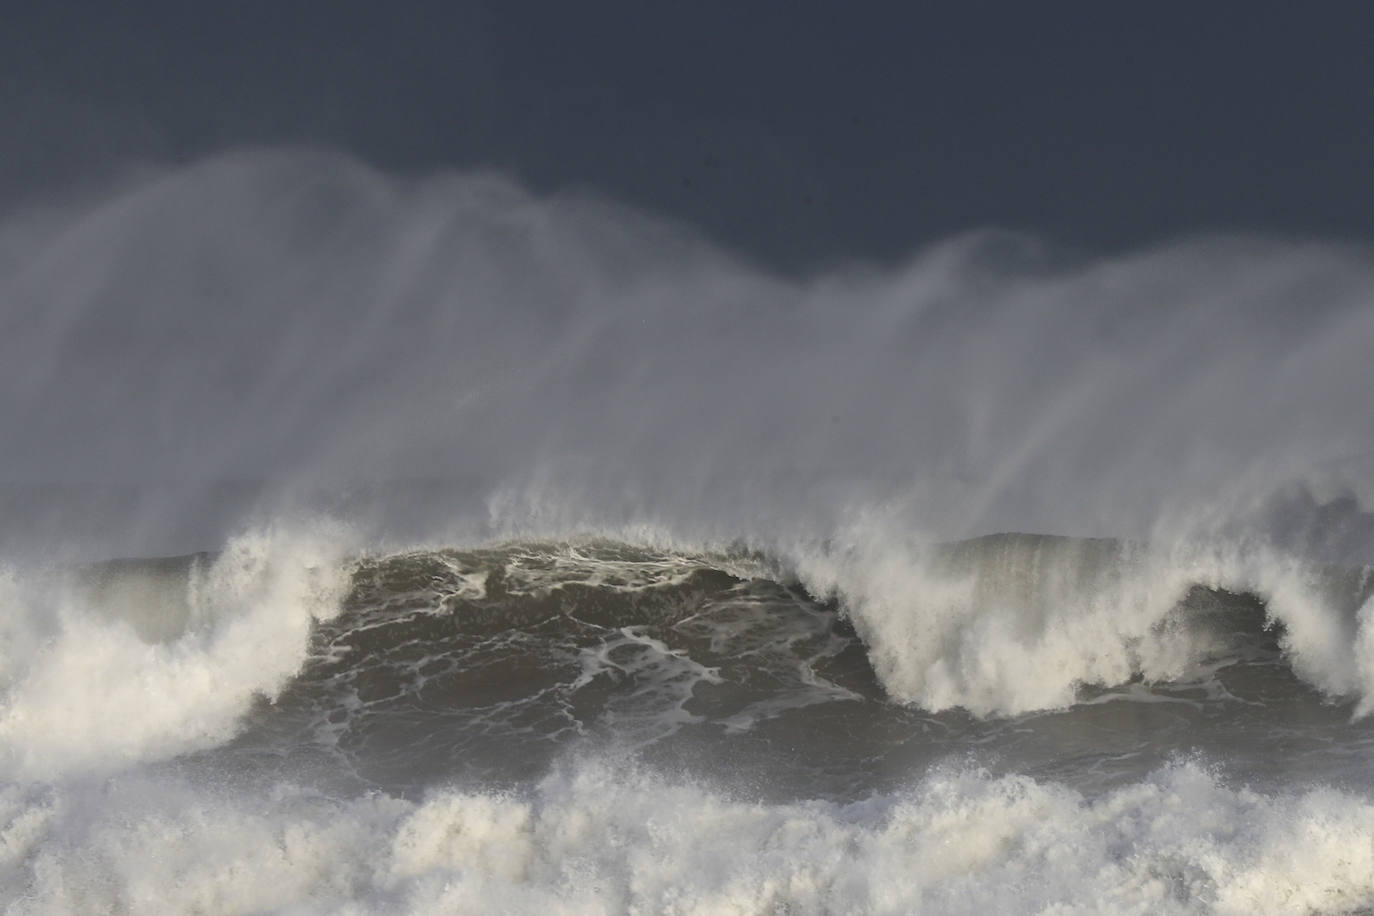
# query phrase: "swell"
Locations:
[[1008, 587], [556, 638], [1123, 609]]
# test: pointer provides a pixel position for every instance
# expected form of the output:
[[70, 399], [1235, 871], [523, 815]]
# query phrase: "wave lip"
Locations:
[[1013, 623], [110, 683]]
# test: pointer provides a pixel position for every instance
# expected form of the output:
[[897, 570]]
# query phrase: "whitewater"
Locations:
[[378, 544]]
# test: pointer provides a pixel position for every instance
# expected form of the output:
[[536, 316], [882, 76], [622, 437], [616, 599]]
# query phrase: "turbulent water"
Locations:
[[487, 554], [593, 725]]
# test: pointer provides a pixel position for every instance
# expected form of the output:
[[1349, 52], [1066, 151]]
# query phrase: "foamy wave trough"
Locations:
[[597, 838]]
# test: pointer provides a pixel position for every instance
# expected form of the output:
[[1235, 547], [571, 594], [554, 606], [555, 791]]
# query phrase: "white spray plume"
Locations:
[[298, 321]]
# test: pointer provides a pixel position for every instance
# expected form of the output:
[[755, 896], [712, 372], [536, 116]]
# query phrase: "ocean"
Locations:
[[421, 545]]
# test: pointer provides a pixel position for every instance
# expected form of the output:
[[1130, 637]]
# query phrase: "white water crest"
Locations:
[[1013, 623], [86, 688]]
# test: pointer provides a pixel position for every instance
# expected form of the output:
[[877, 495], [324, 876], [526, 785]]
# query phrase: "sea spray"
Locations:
[[269, 329]]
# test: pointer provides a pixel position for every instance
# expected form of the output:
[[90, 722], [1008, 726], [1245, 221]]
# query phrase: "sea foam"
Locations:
[[603, 837]]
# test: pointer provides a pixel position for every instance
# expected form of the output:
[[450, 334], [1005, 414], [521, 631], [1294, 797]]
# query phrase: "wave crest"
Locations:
[[107, 683], [1012, 623]]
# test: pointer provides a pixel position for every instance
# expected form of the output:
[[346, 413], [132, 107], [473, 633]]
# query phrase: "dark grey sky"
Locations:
[[797, 132]]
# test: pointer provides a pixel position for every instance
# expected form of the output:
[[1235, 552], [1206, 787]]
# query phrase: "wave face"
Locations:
[[527, 553]]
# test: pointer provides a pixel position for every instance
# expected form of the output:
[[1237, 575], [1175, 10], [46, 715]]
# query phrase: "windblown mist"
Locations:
[[522, 549], [300, 320]]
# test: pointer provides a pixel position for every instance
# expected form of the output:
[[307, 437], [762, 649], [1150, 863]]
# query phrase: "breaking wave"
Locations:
[[142, 660], [129, 661]]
